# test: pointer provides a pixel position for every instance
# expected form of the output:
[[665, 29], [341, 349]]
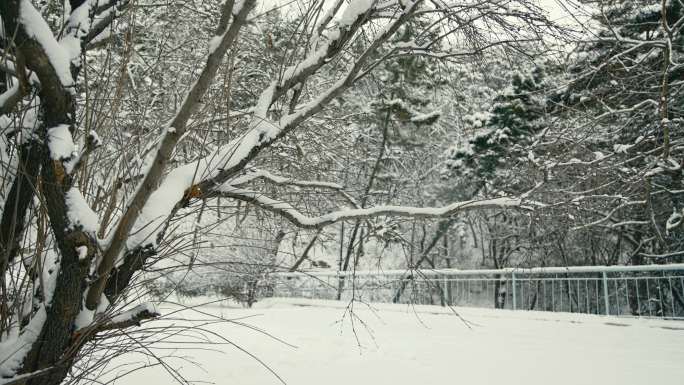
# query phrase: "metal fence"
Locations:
[[651, 290]]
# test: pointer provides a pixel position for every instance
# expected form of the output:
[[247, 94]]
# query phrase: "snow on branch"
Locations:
[[609, 216], [198, 179], [78, 29], [138, 211], [149, 210], [132, 317], [354, 16], [283, 181], [292, 214], [15, 345], [36, 28], [78, 211], [280, 180], [103, 16], [53, 62], [326, 19], [23, 378]]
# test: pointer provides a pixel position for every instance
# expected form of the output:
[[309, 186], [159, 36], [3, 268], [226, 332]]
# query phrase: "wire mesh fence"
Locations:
[[651, 291]]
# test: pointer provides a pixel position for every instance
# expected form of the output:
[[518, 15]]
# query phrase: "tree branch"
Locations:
[[293, 215], [175, 130]]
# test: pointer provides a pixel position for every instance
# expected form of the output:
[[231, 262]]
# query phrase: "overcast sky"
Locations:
[[564, 10], [566, 13]]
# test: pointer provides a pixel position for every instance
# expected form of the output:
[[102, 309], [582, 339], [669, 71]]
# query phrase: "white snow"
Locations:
[[428, 345], [411, 44], [132, 313], [84, 318], [49, 273], [15, 344], [237, 7], [79, 213], [60, 142], [68, 49], [400, 211], [95, 138], [280, 180], [82, 252], [161, 202], [266, 97], [674, 221], [215, 42], [622, 148], [37, 28], [419, 118], [14, 347], [355, 9]]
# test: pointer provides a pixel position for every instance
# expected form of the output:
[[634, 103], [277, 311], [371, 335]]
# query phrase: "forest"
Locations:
[[152, 149]]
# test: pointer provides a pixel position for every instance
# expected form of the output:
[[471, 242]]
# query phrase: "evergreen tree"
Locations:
[[512, 123]]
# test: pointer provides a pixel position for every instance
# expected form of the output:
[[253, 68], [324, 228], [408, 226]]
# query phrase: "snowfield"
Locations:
[[402, 345]]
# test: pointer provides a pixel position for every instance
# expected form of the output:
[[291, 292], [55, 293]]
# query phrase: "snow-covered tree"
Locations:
[[620, 129], [122, 118]]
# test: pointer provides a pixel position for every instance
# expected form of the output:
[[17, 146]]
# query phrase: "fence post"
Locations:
[[515, 293], [606, 300]]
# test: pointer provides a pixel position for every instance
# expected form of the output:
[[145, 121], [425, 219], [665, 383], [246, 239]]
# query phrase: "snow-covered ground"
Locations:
[[401, 345]]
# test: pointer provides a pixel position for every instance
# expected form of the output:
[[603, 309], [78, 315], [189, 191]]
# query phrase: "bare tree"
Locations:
[[69, 260]]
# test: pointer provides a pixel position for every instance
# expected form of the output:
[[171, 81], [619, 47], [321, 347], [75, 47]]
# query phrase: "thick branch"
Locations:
[[130, 318], [297, 218], [173, 134], [266, 133]]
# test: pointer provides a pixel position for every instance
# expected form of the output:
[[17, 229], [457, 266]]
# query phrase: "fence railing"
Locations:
[[651, 290]]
